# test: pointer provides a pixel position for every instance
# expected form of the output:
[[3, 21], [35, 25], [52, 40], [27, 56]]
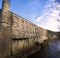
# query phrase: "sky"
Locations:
[[44, 13], [29, 9], [50, 19]]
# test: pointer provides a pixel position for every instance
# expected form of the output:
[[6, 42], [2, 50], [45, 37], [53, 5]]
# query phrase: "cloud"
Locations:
[[49, 19], [39, 19]]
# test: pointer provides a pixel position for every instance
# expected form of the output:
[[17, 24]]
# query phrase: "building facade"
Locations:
[[23, 33]]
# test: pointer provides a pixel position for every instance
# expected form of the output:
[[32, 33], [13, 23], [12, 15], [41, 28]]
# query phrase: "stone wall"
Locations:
[[52, 35], [43, 35], [5, 41]]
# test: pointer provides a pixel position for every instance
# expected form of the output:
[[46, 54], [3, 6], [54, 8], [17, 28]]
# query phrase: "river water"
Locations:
[[52, 50]]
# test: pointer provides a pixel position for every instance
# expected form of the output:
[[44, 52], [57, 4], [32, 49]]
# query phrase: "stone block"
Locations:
[[5, 42]]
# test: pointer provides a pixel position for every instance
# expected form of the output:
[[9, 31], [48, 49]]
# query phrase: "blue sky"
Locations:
[[29, 9], [41, 12]]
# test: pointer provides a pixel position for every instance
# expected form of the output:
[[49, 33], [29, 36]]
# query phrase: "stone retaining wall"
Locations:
[[5, 41]]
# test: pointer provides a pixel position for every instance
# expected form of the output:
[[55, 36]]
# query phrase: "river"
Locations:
[[52, 50]]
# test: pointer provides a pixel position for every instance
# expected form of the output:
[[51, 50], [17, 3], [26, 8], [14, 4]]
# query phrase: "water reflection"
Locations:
[[54, 49], [50, 51]]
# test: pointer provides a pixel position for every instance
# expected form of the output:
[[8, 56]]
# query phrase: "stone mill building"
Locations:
[[16, 32]]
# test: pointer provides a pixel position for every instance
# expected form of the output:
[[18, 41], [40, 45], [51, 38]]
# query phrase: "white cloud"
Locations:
[[49, 18], [39, 19]]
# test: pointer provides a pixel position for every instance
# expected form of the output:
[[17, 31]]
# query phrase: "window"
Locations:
[[22, 21], [26, 22]]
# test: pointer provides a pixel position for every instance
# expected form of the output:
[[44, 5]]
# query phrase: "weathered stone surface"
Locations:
[[20, 28], [5, 42], [53, 35]]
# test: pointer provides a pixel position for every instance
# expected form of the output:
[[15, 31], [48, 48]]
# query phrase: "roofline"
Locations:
[[25, 19]]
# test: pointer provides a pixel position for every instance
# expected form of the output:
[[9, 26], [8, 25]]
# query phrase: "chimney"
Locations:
[[5, 13]]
